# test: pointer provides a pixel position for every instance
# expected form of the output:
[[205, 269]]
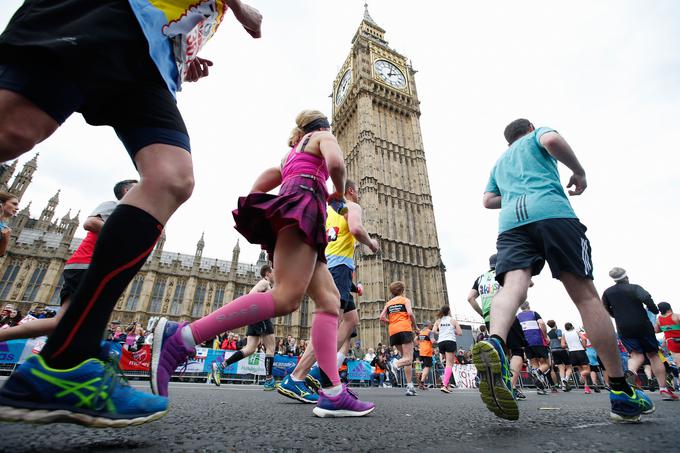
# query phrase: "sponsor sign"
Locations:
[[359, 370]]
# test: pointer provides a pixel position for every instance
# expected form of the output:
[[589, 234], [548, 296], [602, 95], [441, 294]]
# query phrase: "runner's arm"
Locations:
[[331, 152], [657, 328], [383, 315], [93, 224], [249, 17], [409, 310], [356, 227], [491, 200], [4, 240], [472, 300], [646, 299], [558, 147], [268, 180], [459, 331]]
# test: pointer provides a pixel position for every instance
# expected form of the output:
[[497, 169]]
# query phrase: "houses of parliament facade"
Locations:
[[376, 120]]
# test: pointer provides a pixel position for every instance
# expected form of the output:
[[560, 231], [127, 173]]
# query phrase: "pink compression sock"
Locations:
[[447, 376], [245, 310], [325, 344]]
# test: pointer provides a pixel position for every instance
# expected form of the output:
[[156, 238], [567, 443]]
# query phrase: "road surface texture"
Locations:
[[242, 418]]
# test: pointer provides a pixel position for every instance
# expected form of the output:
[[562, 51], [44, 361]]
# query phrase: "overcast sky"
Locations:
[[604, 74]]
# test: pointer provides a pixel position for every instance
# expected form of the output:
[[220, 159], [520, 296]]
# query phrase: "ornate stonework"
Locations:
[[179, 286], [376, 120]]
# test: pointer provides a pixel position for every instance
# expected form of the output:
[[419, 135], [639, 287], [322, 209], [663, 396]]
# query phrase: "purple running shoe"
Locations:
[[168, 351], [346, 404]]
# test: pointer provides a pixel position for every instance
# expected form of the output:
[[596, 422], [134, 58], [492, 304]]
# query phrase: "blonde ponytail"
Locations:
[[305, 117]]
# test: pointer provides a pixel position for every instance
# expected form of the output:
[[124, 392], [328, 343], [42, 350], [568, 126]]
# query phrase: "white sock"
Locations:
[[341, 358], [188, 337], [292, 376], [333, 391]]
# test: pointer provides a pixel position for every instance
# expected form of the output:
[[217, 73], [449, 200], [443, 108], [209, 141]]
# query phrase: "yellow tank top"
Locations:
[[340, 248]]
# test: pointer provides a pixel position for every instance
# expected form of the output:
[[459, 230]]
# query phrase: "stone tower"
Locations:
[[24, 178], [376, 115]]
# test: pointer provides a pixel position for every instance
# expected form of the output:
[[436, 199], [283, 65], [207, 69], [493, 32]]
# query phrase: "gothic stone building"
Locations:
[[179, 286], [376, 120]]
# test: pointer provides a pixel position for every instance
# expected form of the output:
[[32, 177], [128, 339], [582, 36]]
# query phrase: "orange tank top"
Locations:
[[398, 317], [425, 343]]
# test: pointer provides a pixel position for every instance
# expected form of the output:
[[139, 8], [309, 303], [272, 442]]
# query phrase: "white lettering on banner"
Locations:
[[465, 376]]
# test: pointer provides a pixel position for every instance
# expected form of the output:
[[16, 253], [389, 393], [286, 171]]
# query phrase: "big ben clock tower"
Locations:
[[376, 120]]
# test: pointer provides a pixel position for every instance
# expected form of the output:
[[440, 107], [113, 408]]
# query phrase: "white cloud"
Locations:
[[604, 74]]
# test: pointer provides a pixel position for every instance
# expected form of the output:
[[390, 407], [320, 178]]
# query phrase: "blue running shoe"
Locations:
[[269, 384], [627, 409], [495, 384], [313, 379], [90, 394], [296, 390]]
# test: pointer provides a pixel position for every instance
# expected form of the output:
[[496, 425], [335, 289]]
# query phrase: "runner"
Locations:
[[261, 333], [487, 286], [290, 226], [119, 64], [342, 231], [74, 269], [669, 323], [560, 356], [9, 205], [576, 345], [425, 340], [401, 320], [592, 362], [447, 329], [535, 333], [625, 303], [537, 224]]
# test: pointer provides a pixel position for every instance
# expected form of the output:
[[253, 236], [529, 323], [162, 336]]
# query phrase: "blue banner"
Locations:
[[10, 351], [284, 365], [218, 355], [359, 370]]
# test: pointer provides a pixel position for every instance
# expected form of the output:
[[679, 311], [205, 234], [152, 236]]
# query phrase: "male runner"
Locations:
[[560, 356], [74, 269], [256, 334], [535, 333], [537, 224], [425, 340], [343, 231], [119, 63], [486, 286], [625, 303]]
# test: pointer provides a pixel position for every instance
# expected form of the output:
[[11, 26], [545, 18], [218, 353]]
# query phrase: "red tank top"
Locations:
[[669, 327]]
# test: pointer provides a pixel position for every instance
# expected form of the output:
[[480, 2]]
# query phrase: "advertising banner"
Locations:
[[465, 376], [284, 365], [253, 364], [218, 355], [359, 370], [11, 351], [135, 361], [196, 363]]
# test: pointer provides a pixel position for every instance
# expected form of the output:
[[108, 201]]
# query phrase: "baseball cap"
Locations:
[[617, 274]]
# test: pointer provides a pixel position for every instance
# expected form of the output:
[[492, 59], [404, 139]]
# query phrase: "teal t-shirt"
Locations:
[[527, 179]]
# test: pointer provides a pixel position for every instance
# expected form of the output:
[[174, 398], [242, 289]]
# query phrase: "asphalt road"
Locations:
[[244, 418]]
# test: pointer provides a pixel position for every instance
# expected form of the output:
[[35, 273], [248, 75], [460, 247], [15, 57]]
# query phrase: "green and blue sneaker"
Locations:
[[296, 390], [91, 394], [269, 384], [495, 384], [313, 378], [216, 371], [627, 409]]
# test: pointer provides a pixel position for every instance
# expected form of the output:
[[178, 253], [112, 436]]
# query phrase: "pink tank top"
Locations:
[[298, 163]]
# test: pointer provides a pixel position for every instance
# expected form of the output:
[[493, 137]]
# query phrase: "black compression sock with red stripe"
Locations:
[[124, 243]]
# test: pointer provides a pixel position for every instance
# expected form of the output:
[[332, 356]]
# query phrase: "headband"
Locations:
[[621, 277], [319, 123]]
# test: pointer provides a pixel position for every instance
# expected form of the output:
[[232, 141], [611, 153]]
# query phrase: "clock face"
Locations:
[[343, 86], [390, 74]]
